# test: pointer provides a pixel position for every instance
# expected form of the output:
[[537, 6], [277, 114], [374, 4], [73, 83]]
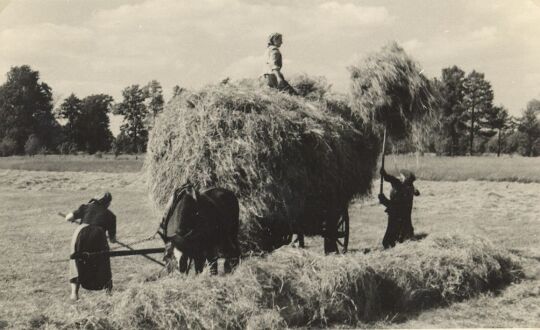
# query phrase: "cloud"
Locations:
[[250, 66], [105, 45]]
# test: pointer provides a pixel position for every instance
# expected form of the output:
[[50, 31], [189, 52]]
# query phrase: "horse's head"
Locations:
[[180, 218]]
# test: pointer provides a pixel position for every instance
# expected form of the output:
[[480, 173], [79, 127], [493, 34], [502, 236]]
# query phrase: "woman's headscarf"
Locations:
[[104, 199], [272, 38]]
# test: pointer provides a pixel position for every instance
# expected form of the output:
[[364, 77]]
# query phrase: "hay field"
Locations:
[[486, 168], [34, 290], [510, 168], [74, 163]]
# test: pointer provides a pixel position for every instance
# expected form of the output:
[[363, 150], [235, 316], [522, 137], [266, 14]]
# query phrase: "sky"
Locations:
[[102, 46]]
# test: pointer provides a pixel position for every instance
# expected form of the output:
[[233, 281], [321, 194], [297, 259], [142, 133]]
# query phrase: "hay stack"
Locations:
[[293, 163], [389, 90], [298, 288]]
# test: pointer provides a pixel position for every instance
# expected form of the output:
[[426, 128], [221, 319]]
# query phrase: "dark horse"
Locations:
[[203, 226]]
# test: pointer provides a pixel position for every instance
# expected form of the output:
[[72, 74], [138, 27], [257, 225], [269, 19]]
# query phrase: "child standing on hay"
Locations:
[[274, 78], [399, 207]]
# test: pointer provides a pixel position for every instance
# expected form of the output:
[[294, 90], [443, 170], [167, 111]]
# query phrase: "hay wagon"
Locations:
[[293, 163]]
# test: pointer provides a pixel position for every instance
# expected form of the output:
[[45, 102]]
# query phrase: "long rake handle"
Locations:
[[382, 160]]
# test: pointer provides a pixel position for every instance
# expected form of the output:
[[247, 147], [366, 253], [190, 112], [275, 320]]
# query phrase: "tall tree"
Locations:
[[92, 125], [154, 95], [493, 121], [87, 121], [135, 114], [478, 99], [26, 109], [453, 118], [70, 110], [529, 125]]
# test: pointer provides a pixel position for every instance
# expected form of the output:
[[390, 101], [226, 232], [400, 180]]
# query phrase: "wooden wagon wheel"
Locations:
[[336, 240], [343, 232]]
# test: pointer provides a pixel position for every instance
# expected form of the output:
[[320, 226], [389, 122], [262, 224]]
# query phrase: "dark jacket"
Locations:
[[401, 197], [94, 213], [399, 208]]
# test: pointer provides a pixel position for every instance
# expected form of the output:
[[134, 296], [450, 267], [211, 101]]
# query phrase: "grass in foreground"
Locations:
[[35, 288], [295, 288]]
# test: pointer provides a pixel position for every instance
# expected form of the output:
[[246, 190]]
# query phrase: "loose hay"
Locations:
[[292, 162], [388, 89], [297, 288]]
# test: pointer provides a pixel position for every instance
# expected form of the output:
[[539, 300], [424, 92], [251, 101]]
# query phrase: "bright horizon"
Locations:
[[103, 46]]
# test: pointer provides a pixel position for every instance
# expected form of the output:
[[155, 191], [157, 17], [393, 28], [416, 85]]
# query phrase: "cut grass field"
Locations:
[[35, 240], [488, 168], [432, 168], [34, 282], [74, 163]]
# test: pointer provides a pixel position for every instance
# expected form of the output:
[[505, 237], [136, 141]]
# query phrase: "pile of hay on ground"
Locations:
[[298, 288], [292, 162], [389, 90]]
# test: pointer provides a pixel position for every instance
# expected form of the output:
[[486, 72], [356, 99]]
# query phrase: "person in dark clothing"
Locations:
[[399, 207], [96, 220], [96, 213]]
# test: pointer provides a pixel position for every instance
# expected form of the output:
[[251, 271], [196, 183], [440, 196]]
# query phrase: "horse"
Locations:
[[203, 226]]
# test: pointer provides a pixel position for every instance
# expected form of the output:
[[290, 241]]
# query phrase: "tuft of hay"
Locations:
[[298, 288], [293, 163], [310, 87], [389, 90]]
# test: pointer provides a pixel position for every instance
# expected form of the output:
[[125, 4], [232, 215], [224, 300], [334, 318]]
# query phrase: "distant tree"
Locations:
[[92, 125], [529, 126], [494, 121], [8, 147], [478, 100], [514, 142], [26, 109], [71, 110], [135, 115], [453, 117], [67, 148], [33, 145], [122, 144], [154, 98]]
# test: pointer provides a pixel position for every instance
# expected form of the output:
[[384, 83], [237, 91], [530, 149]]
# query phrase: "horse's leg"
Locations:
[[183, 264], [299, 241], [233, 255], [199, 263], [330, 237], [213, 261]]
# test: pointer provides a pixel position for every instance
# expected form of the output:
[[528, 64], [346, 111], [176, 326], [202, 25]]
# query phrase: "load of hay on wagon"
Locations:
[[292, 162]]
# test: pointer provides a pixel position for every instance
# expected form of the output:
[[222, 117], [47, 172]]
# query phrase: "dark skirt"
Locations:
[[94, 272]]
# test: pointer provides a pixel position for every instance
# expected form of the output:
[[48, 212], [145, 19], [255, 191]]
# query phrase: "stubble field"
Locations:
[[35, 240]]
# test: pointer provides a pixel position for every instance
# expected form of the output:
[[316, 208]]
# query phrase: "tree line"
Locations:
[[467, 123], [470, 123], [30, 123]]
